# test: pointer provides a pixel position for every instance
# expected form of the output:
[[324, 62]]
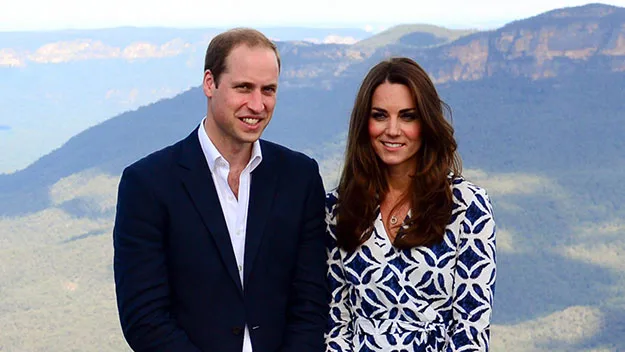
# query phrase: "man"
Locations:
[[219, 238]]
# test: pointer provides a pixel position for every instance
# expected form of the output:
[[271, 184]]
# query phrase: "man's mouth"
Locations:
[[250, 121]]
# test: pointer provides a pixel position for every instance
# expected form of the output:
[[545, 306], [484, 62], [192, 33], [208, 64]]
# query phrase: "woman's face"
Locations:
[[395, 127]]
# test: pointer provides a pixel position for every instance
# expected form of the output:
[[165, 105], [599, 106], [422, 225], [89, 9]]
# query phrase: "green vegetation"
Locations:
[[430, 35], [543, 136], [58, 291]]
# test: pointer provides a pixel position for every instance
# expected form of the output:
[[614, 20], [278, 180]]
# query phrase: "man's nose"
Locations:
[[255, 102]]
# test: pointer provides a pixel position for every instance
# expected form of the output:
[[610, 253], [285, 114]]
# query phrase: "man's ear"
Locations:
[[208, 85]]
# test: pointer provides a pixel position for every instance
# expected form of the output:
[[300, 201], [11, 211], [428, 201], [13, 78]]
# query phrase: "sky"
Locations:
[[29, 15]]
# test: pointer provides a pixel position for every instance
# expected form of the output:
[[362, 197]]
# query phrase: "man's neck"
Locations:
[[236, 154], [237, 157]]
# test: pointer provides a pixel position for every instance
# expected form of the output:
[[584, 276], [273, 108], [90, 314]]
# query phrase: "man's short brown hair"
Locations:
[[221, 46]]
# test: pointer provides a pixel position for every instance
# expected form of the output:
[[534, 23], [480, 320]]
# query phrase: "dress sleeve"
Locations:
[[475, 273], [340, 333]]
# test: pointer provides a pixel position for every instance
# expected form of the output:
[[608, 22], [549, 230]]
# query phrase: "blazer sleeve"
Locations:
[[474, 284], [308, 306], [141, 281]]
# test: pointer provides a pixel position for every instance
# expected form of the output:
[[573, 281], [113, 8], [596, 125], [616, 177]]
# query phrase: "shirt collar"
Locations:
[[212, 155]]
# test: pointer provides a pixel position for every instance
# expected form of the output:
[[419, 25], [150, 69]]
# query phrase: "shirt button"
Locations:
[[240, 267]]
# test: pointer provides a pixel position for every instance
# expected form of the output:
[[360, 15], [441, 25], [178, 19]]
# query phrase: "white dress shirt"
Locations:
[[234, 210]]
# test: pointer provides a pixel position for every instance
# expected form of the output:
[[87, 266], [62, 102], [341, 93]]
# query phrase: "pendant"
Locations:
[[393, 220]]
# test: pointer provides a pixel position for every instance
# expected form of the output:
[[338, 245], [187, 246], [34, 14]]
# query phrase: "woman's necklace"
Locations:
[[393, 220]]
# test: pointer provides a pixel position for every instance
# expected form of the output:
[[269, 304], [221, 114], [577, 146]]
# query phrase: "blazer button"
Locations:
[[237, 330]]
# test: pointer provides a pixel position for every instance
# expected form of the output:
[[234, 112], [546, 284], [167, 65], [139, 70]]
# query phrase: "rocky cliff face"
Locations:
[[308, 64], [562, 42], [590, 37]]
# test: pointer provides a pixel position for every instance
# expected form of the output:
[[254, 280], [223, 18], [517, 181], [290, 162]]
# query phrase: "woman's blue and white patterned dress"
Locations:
[[419, 299]]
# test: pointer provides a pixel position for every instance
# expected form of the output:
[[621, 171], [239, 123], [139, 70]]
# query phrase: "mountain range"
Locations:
[[538, 108], [56, 84]]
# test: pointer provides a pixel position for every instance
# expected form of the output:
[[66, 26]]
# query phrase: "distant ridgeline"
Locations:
[[539, 115], [542, 94]]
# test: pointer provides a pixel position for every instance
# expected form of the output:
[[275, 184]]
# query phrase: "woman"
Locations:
[[412, 244]]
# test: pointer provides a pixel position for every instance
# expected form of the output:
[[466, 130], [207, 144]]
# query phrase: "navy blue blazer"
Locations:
[[177, 283]]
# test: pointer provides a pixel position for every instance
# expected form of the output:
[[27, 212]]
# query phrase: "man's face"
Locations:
[[242, 102]]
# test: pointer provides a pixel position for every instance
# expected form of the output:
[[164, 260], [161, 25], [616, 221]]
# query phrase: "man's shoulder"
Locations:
[[157, 161], [285, 156]]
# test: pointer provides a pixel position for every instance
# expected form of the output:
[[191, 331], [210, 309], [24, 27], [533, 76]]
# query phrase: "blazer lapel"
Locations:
[[262, 193], [198, 182]]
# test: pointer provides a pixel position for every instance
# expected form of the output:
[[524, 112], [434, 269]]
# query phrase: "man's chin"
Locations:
[[249, 137]]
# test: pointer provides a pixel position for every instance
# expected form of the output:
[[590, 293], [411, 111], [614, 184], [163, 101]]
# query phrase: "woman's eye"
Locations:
[[377, 115]]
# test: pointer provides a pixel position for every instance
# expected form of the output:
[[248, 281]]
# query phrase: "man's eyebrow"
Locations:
[[238, 83], [248, 83]]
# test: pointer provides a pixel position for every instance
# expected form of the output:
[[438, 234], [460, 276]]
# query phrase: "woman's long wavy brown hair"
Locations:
[[363, 184]]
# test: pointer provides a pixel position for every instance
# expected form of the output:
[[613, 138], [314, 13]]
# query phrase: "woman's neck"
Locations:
[[398, 182]]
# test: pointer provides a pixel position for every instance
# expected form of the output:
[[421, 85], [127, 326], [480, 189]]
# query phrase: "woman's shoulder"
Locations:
[[333, 195], [465, 192], [332, 199]]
